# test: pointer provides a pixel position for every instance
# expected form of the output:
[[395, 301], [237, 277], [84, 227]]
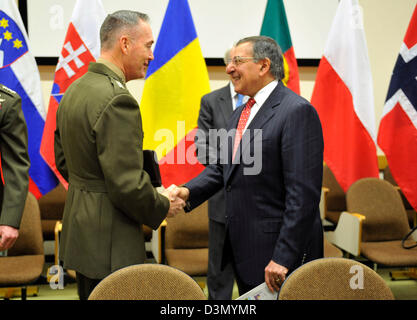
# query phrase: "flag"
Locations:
[[81, 46], [275, 25], [397, 135], [19, 72], [343, 97], [175, 82]]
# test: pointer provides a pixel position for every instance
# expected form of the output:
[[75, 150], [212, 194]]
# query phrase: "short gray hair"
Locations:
[[227, 57], [115, 22], [266, 47]]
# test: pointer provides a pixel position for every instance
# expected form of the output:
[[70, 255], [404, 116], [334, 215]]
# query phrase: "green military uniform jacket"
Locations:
[[98, 149], [14, 158]]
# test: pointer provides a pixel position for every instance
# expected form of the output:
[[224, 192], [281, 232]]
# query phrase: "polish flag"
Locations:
[[343, 97], [397, 135], [81, 46]]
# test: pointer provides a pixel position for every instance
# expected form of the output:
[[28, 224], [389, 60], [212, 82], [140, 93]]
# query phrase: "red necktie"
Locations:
[[244, 116]]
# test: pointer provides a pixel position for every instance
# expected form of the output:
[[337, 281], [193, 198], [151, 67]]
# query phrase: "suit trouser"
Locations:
[[219, 282], [85, 285], [242, 286]]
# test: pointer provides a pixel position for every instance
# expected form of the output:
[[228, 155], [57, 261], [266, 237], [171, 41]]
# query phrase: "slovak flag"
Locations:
[[343, 97], [397, 135], [81, 46], [19, 72]]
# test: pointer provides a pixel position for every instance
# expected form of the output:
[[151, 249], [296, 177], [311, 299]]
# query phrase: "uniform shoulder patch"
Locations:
[[120, 84], [5, 89], [117, 84]]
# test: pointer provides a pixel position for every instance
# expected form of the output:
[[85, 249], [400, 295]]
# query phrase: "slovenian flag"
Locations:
[[175, 82], [343, 97], [19, 72], [275, 25], [81, 46], [397, 135]]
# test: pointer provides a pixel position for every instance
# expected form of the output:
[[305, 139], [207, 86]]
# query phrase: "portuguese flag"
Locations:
[[275, 25]]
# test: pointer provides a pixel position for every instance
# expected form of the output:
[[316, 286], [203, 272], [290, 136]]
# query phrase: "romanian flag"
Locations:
[[275, 25], [175, 82]]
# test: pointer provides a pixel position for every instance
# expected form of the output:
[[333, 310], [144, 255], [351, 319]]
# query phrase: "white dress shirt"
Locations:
[[260, 97]]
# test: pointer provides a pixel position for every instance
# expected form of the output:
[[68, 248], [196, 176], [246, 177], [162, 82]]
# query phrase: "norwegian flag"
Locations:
[[397, 135], [81, 46]]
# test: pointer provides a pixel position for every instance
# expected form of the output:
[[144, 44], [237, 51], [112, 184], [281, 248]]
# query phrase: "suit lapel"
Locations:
[[265, 113]]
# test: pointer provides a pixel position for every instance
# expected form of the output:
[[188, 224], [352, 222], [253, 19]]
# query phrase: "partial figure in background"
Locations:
[[15, 165]]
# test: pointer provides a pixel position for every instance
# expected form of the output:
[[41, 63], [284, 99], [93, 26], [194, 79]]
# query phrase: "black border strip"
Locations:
[[51, 61], [23, 8], [300, 62], [46, 61]]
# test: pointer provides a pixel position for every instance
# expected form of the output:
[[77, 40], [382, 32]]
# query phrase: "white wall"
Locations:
[[385, 24], [218, 23]]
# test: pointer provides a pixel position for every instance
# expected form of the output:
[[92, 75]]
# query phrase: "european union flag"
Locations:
[[19, 72]]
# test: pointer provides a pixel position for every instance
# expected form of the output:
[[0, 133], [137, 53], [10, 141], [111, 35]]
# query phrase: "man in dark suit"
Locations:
[[215, 111], [98, 149], [15, 166], [272, 181]]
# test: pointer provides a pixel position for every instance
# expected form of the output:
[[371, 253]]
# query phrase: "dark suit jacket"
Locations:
[[215, 111], [98, 147], [14, 158], [273, 214]]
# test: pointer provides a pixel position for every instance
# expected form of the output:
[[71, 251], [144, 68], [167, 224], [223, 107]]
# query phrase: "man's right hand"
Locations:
[[179, 192], [176, 204]]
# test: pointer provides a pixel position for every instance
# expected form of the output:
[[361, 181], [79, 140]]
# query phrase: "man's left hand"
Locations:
[[8, 236], [275, 275]]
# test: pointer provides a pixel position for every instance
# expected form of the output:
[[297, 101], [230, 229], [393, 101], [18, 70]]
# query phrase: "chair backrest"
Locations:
[[331, 250], [188, 230], [336, 198], [147, 282], [334, 279], [52, 204], [30, 240], [388, 177], [381, 204], [186, 241]]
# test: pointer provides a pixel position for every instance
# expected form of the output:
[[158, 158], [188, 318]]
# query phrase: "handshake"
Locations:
[[177, 197]]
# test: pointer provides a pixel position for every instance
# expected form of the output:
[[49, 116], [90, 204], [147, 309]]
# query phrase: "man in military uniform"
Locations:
[[14, 164], [98, 148]]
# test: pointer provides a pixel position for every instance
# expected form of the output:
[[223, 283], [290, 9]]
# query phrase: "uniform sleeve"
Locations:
[[119, 138], [60, 162], [15, 163]]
